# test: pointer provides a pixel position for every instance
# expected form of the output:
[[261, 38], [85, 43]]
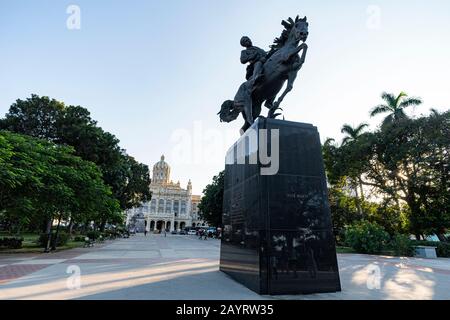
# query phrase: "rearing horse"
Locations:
[[283, 63]]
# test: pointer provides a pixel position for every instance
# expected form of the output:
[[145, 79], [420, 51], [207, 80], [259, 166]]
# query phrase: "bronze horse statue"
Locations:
[[281, 64]]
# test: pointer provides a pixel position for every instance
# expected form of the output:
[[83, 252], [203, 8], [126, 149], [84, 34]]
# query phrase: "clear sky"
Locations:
[[155, 73]]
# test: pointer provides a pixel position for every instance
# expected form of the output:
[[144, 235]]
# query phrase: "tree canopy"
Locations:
[[405, 165], [212, 202], [42, 180], [48, 119]]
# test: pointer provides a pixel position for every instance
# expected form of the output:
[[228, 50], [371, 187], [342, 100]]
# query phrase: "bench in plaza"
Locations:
[[426, 252]]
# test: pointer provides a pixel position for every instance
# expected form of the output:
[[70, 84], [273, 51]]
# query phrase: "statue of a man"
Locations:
[[255, 56]]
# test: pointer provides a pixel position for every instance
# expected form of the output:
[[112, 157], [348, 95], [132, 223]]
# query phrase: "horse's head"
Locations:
[[228, 111], [299, 30]]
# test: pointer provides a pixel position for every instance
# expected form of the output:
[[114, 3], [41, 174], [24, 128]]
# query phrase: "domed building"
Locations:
[[171, 207]]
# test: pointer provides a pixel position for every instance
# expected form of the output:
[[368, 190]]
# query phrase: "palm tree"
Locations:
[[328, 142], [395, 106], [352, 133], [434, 112]]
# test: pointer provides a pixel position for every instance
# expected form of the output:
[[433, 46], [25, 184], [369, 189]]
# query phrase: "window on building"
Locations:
[[176, 207], [161, 205], [169, 206], [183, 207], [153, 206]]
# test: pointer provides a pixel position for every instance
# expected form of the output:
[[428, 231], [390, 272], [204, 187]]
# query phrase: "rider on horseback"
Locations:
[[256, 56], [273, 69]]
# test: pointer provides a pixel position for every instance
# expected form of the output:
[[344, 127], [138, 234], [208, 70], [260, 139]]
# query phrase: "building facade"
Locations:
[[171, 207]]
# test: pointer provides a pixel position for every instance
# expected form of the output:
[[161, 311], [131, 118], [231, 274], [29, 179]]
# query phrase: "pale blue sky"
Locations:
[[155, 73]]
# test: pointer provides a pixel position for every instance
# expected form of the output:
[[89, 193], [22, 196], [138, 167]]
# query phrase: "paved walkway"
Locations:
[[183, 267]]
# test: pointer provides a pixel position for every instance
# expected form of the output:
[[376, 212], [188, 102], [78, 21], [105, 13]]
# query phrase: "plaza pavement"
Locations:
[[186, 268]]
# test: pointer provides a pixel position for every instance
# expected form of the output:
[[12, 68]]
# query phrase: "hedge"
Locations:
[[11, 242]]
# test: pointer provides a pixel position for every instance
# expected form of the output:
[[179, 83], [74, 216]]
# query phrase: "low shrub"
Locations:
[[442, 248], [366, 237], [79, 238], [63, 238], [402, 245], [93, 235], [110, 234], [14, 242]]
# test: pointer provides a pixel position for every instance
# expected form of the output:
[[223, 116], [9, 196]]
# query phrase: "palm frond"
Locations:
[[359, 129], [382, 108], [329, 142], [346, 140], [348, 129], [400, 96], [389, 98], [434, 112], [414, 101]]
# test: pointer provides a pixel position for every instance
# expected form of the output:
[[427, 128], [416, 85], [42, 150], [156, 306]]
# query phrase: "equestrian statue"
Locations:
[[267, 73]]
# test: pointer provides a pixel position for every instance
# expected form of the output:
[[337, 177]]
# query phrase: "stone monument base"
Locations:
[[277, 235]]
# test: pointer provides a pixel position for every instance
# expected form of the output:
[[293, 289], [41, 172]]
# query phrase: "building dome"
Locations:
[[161, 172]]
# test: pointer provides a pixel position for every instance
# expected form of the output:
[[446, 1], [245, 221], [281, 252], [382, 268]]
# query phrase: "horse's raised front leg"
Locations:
[[292, 75], [291, 79]]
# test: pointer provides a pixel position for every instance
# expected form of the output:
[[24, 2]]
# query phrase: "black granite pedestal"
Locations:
[[277, 235]]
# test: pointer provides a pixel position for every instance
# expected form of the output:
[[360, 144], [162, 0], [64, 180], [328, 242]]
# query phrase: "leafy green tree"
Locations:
[[211, 205], [42, 181], [406, 165], [73, 126], [35, 116], [395, 107]]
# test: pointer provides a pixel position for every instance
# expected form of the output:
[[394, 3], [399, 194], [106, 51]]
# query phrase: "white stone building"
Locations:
[[171, 206]]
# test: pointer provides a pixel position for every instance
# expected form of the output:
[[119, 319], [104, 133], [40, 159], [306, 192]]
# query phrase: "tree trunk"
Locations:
[[49, 235], [361, 188], [56, 234], [441, 237], [102, 226], [358, 202], [70, 226]]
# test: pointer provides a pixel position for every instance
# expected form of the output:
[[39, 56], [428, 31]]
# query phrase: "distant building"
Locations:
[[171, 206]]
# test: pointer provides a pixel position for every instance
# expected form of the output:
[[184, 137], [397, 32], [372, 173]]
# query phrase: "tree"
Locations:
[[46, 118], [407, 165], [211, 205], [395, 106], [352, 133], [35, 116], [42, 181], [136, 189]]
